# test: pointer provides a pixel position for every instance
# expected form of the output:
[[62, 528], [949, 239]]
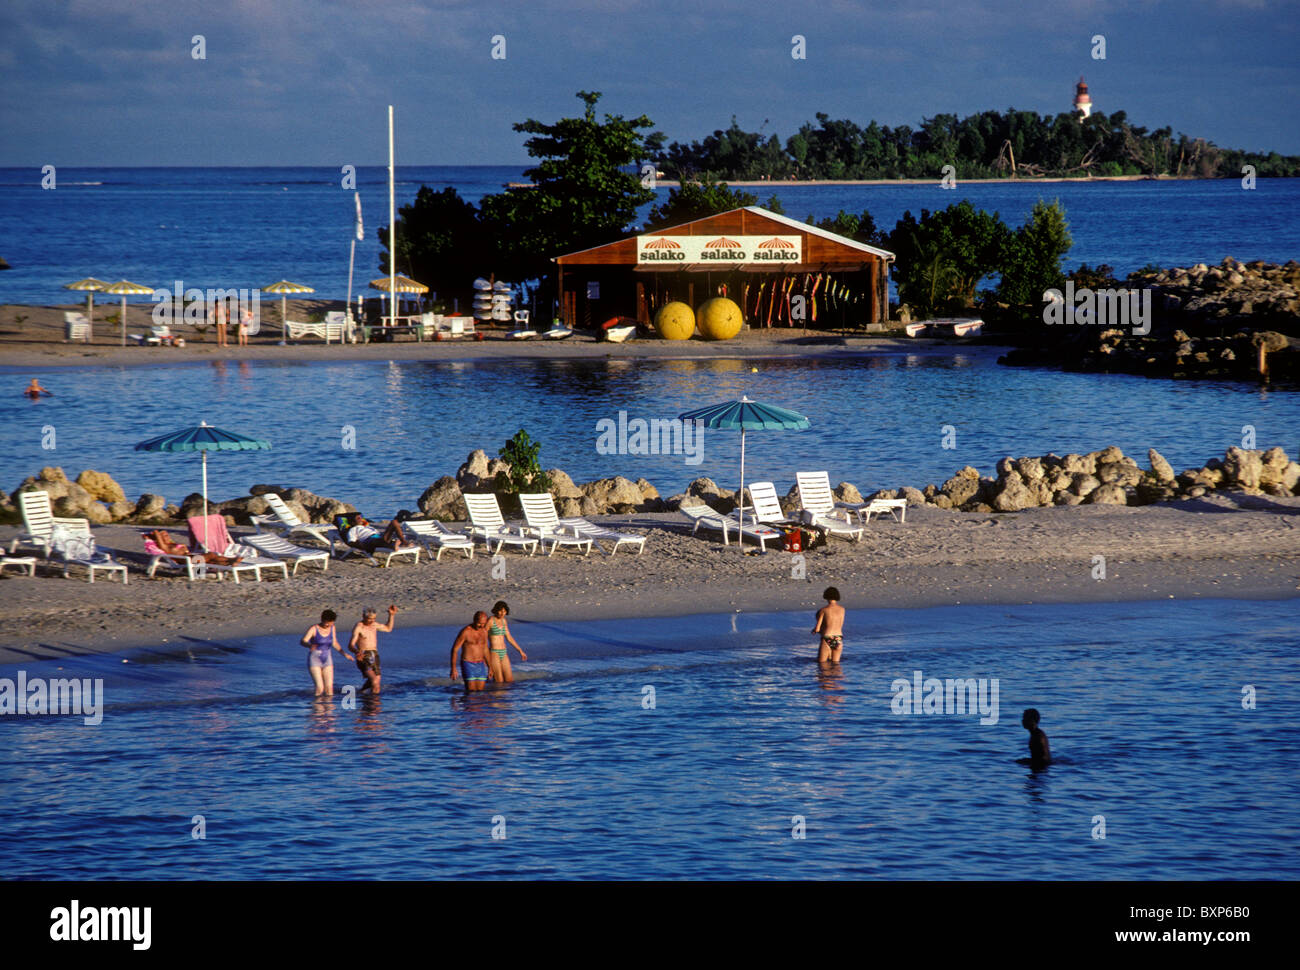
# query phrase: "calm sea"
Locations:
[[248, 227], [695, 748], [878, 421]]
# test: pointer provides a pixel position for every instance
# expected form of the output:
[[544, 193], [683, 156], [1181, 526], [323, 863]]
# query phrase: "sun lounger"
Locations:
[[702, 515], [766, 506], [818, 506], [544, 522], [897, 507], [278, 547], [78, 549], [20, 562], [488, 525], [288, 523], [193, 566], [437, 536], [328, 331], [39, 521], [210, 535], [601, 535], [345, 523], [76, 326]]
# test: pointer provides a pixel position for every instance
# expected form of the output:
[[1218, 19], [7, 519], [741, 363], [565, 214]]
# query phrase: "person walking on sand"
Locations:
[[1040, 752], [365, 645], [473, 641], [498, 635], [830, 624], [245, 325], [219, 317], [320, 640]]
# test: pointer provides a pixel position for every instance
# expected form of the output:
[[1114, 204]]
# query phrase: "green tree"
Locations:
[[526, 474], [586, 189], [695, 200], [861, 228], [972, 242], [1032, 262], [441, 241]]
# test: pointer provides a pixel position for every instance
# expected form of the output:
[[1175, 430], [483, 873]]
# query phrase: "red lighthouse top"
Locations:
[[1081, 93]]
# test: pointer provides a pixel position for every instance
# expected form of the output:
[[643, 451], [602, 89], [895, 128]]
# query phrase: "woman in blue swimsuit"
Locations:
[[319, 640], [498, 635]]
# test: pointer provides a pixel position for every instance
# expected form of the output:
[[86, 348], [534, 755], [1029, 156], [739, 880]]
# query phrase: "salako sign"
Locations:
[[722, 251]]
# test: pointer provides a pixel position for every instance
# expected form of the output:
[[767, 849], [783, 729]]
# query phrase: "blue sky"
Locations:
[[292, 82]]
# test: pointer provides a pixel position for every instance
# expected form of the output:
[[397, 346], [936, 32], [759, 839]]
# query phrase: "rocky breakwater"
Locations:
[[95, 496], [1239, 321], [1106, 477]]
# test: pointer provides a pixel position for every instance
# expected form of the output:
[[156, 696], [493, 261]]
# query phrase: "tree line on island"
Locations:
[[588, 186]]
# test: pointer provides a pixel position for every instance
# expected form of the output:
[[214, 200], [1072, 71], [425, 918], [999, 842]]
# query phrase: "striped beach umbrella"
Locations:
[[203, 439], [745, 416], [284, 288], [400, 284], [90, 285], [125, 288]]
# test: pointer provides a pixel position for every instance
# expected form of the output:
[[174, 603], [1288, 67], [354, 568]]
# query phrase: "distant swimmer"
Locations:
[[321, 640], [1040, 753], [365, 645], [472, 644], [498, 635], [34, 389], [830, 624]]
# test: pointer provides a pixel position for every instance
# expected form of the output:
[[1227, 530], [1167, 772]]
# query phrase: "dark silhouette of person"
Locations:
[[1040, 753]]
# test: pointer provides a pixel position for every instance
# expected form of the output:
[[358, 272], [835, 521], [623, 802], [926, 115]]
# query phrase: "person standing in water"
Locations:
[[473, 641], [320, 640], [830, 624], [498, 635], [365, 645], [34, 389], [1040, 752]]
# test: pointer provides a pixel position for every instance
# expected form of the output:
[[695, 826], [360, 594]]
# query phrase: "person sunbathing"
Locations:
[[365, 536], [164, 545]]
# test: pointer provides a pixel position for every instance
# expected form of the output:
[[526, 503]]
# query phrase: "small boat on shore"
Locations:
[[945, 328], [617, 335]]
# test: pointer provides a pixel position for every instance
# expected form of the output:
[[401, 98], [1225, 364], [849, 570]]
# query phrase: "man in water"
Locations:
[[473, 639], [1040, 753], [365, 645], [34, 389], [830, 624]]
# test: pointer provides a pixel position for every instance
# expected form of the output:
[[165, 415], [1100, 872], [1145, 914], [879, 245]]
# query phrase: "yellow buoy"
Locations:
[[675, 321], [719, 319]]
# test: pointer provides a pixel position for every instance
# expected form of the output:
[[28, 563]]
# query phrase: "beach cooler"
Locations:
[[793, 541]]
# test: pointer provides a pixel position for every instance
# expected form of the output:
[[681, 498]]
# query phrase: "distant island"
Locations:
[[988, 145]]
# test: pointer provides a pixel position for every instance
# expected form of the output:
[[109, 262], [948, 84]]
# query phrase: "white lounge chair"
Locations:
[[20, 562], [524, 331], [77, 548], [76, 326], [210, 535], [278, 547], [345, 523], [600, 535], [702, 515], [437, 536], [283, 519], [544, 522], [897, 507], [818, 506], [193, 566], [39, 521], [487, 524], [766, 506]]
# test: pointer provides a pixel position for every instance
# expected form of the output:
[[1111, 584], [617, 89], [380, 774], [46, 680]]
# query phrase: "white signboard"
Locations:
[[723, 250]]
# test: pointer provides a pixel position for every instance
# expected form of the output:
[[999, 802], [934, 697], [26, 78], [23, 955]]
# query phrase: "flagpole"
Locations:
[[352, 258], [392, 231]]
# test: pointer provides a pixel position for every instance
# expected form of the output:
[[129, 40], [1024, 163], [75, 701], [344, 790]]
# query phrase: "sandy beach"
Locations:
[[1227, 546]]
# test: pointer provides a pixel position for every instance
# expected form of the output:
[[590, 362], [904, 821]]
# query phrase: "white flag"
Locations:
[[361, 235]]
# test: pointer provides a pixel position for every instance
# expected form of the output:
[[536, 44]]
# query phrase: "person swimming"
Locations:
[[1040, 752], [34, 389], [498, 632], [320, 640]]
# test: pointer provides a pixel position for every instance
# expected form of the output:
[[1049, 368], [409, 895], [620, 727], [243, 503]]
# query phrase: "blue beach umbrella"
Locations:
[[744, 416], [203, 439]]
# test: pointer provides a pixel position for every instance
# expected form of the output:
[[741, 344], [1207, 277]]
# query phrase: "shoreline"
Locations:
[[937, 558], [787, 183]]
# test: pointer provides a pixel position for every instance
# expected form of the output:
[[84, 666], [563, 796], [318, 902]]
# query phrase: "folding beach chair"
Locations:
[[488, 525], [818, 506], [437, 536], [278, 547], [702, 515], [39, 522], [210, 535], [78, 549], [544, 522], [345, 522]]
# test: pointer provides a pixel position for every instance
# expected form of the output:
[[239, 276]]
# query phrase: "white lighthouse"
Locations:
[[1082, 103]]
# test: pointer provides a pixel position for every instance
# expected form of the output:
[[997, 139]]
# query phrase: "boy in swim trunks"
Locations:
[[473, 641], [830, 624], [365, 645]]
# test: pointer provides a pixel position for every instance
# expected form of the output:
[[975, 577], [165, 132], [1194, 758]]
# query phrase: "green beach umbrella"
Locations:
[[284, 288], [203, 439], [125, 288], [90, 285], [745, 416]]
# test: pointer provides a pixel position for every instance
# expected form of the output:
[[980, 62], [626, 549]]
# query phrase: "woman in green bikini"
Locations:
[[498, 635]]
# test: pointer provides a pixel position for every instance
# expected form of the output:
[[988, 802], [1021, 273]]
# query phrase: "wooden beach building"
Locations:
[[763, 261]]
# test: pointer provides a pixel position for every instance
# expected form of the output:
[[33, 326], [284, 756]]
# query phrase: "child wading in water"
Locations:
[[498, 635], [830, 624]]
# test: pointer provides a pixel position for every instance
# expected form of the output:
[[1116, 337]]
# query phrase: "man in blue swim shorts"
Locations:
[[472, 646]]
